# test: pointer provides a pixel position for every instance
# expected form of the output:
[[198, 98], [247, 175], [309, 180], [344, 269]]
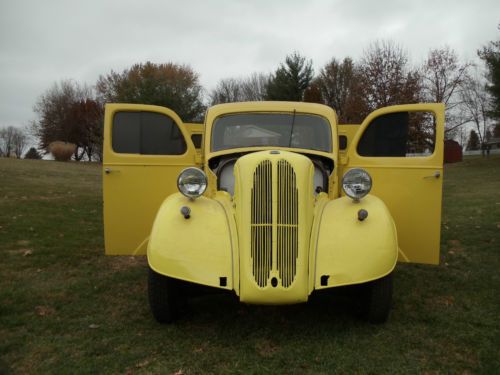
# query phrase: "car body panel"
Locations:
[[219, 244]]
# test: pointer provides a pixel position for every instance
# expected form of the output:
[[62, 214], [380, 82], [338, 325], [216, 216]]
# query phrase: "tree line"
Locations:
[[73, 113]]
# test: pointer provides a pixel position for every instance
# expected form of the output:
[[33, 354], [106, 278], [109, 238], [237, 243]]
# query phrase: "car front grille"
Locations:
[[274, 225]]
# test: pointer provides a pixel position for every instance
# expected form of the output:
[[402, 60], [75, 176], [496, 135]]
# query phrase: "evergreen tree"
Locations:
[[291, 79], [32, 154], [473, 143], [490, 54]]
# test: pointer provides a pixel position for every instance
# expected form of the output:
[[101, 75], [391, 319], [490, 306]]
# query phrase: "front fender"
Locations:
[[349, 251], [197, 249]]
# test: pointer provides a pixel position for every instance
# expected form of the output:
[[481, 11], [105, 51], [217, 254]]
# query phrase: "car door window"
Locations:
[[399, 134], [146, 133]]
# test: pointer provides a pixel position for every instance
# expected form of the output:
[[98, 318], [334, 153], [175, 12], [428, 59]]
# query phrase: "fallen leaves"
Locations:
[[446, 301], [44, 310]]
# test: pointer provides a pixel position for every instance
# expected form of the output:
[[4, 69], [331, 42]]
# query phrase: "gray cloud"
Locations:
[[42, 42]]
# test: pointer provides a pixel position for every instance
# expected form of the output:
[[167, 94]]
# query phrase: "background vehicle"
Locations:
[[263, 210]]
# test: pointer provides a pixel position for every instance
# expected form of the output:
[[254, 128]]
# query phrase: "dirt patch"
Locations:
[[455, 247], [266, 348], [121, 263], [44, 310], [446, 301]]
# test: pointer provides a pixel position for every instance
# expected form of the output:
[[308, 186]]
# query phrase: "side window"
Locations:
[[342, 142], [400, 134], [146, 133], [196, 138]]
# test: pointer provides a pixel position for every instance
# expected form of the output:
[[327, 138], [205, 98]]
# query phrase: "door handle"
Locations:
[[109, 170], [436, 174]]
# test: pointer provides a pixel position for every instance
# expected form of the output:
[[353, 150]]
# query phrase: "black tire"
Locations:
[[163, 294], [378, 299]]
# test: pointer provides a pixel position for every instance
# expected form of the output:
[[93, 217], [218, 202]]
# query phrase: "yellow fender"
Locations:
[[350, 251], [197, 249]]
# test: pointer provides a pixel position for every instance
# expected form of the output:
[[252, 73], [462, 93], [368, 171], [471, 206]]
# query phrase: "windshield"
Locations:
[[272, 129]]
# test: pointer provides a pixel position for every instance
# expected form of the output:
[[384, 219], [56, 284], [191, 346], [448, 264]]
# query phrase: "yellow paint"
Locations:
[[350, 251], [404, 209], [198, 249], [136, 185], [244, 171], [407, 187]]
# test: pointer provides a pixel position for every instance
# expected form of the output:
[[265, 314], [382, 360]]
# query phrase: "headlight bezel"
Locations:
[[185, 175], [355, 193]]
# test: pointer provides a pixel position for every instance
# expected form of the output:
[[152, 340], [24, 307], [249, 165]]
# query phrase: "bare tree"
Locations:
[[6, 141], [13, 141], [230, 90], [475, 100], [255, 87], [338, 84], [386, 76], [20, 142], [444, 77]]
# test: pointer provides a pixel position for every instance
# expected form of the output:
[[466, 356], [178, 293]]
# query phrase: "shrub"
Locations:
[[62, 151], [32, 154]]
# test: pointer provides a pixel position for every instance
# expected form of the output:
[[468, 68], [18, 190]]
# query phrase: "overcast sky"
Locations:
[[42, 42]]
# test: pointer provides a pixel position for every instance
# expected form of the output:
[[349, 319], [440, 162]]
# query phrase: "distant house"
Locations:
[[493, 143], [452, 151]]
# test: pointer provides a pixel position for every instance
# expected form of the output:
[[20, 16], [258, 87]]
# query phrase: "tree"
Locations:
[[490, 54], [444, 77], [291, 79], [473, 143], [475, 103], [338, 83], [170, 85], [496, 131], [13, 141], [386, 78], [33, 154], [87, 117], [20, 141], [6, 141], [56, 122], [230, 90], [255, 87]]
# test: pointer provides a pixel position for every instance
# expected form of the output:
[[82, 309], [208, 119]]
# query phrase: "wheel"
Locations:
[[163, 294], [378, 299]]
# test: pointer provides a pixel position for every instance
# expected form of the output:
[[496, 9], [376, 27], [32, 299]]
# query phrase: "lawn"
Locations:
[[66, 308]]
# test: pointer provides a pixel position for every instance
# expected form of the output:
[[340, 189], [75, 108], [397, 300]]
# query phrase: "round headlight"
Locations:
[[192, 182], [356, 183]]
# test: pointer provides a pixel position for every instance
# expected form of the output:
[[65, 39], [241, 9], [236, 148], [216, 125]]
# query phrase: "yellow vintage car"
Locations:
[[273, 200]]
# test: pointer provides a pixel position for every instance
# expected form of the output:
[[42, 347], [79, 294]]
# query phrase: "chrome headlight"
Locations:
[[192, 182], [356, 183]]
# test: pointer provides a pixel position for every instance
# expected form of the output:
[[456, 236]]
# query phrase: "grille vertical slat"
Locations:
[[286, 223], [261, 225]]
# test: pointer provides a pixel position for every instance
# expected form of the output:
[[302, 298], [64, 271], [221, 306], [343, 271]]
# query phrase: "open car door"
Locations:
[[145, 148], [402, 149]]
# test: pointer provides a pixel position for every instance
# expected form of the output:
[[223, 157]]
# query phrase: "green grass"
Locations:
[[67, 308]]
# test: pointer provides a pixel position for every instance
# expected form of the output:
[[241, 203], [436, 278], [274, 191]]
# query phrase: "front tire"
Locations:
[[163, 294], [378, 299]]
